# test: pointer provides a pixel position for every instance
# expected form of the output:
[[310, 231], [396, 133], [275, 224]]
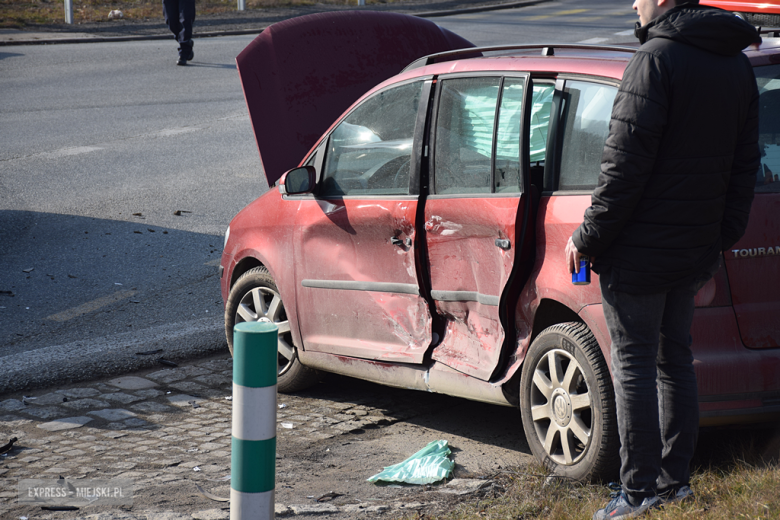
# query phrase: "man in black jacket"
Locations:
[[675, 189]]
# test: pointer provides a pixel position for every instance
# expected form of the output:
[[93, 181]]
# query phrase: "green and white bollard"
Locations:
[[253, 454]]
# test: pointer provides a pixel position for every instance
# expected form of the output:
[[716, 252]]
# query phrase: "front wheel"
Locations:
[[255, 297], [567, 404]]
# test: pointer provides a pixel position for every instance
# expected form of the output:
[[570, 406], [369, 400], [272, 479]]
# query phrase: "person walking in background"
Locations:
[[179, 15], [675, 189]]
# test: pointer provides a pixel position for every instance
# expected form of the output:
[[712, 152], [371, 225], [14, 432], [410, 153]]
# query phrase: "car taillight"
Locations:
[[716, 292]]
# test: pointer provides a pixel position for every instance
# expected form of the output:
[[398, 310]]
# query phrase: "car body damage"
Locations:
[[420, 242]]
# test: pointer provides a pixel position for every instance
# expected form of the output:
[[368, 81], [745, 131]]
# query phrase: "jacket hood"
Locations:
[[708, 28]]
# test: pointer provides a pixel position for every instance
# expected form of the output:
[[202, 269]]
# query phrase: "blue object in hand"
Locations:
[[583, 277]]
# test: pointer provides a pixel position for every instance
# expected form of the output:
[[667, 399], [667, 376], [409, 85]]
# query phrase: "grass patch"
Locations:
[[24, 13], [737, 476]]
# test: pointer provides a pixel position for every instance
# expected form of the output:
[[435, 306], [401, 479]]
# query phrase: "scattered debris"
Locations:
[[150, 230], [117, 283], [138, 232], [229, 398], [196, 468], [71, 276], [59, 508], [149, 352], [330, 495], [211, 496], [28, 270], [167, 363], [7, 447], [194, 404], [7, 293], [430, 464], [287, 425], [192, 450], [138, 214], [178, 212], [282, 406]]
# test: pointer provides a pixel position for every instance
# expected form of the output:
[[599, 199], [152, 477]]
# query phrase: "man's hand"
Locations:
[[572, 257]]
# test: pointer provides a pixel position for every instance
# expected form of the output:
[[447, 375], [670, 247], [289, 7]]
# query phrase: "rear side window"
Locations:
[[587, 113], [768, 177]]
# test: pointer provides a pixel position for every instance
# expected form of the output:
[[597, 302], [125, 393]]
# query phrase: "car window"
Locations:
[[541, 107], [507, 177], [768, 177], [370, 151], [464, 135], [587, 114]]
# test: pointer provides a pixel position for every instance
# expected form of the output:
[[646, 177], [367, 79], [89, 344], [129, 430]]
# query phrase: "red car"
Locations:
[[419, 242], [764, 14]]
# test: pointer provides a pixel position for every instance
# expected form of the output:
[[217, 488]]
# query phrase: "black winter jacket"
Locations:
[[679, 165]]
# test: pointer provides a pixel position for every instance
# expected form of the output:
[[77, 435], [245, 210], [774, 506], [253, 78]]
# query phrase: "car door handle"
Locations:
[[503, 243]]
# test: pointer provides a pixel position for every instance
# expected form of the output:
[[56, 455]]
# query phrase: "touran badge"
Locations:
[[756, 251]]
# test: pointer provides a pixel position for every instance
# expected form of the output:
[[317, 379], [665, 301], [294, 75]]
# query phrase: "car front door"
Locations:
[[474, 215], [356, 276]]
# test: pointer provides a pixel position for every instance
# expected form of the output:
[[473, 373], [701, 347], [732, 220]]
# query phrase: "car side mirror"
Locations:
[[300, 180]]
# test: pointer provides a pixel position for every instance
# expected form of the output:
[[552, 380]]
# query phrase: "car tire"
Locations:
[[256, 288], [567, 404]]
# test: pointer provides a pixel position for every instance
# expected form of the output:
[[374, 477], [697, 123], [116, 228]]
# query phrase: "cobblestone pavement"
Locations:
[[169, 429]]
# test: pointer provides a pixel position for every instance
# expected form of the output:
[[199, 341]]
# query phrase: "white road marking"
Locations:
[[629, 32], [594, 40], [66, 152], [88, 307], [175, 131]]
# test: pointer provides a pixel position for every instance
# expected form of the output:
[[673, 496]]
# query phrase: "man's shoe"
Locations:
[[681, 495], [181, 61], [619, 507]]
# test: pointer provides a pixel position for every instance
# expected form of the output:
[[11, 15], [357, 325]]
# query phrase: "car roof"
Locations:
[[605, 61]]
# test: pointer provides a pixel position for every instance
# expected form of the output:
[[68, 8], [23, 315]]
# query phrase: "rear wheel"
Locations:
[[567, 404], [255, 297]]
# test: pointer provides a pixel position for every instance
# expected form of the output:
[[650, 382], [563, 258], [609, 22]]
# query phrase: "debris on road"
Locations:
[[148, 352], [28, 270], [430, 464], [327, 497], [178, 212], [7, 447], [210, 495], [167, 363]]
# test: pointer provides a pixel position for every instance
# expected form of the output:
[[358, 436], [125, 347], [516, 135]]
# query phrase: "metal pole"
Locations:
[[253, 453], [241, 5], [361, 2], [69, 11]]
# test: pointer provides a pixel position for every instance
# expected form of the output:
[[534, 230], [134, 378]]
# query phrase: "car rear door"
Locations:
[[753, 264], [475, 213], [357, 284]]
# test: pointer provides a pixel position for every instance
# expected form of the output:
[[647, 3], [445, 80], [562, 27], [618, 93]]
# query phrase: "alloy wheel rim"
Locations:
[[561, 407], [265, 304]]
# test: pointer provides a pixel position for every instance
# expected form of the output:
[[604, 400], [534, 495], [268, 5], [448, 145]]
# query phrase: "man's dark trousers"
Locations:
[[655, 385], [179, 15]]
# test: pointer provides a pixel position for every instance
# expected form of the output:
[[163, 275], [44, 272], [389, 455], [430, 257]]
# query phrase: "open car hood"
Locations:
[[300, 75]]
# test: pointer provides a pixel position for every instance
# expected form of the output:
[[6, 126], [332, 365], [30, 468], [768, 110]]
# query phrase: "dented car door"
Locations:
[[354, 240], [474, 215]]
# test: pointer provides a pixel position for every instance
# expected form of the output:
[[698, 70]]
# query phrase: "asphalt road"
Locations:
[[119, 173]]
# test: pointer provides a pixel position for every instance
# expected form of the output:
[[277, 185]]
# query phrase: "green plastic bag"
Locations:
[[430, 464]]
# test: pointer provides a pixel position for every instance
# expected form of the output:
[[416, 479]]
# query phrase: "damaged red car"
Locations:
[[422, 191]]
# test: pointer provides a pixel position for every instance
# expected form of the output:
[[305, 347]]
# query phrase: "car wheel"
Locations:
[[567, 404], [255, 297]]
